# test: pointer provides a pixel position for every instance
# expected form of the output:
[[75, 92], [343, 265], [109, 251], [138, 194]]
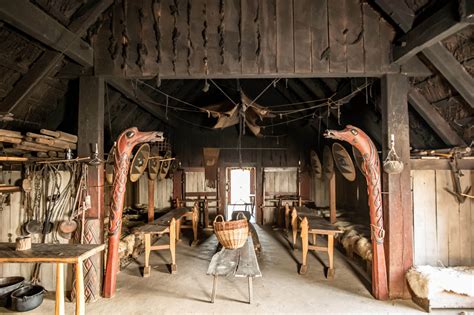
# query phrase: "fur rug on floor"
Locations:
[[427, 281]]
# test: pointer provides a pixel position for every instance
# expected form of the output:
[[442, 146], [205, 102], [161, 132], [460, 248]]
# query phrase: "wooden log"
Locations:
[[57, 143], [13, 159], [10, 133], [39, 147], [28, 148], [42, 154], [9, 189], [10, 139], [36, 135], [64, 136]]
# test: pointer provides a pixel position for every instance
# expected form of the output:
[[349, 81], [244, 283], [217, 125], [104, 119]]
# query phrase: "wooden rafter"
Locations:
[[452, 70], [434, 29], [399, 12], [434, 119], [31, 20], [49, 59], [140, 98]]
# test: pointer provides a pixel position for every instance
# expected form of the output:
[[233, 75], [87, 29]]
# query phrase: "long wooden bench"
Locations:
[[240, 262], [313, 225], [170, 224]]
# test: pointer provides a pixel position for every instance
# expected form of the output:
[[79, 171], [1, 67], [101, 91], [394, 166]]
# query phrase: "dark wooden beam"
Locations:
[[434, 119], [399, 12], [397, 209], [31, 20], [452, 70], [440, 164], [49, 59], [91, 135], [435, 28], [140, 98]]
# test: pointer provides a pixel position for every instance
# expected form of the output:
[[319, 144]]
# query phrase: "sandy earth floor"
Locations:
[[281, 290]]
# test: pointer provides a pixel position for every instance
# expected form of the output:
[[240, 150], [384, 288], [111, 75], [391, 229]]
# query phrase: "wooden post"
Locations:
[[332, 198], [80, 292], [59, 308], [151, 200], [90, 133], [397, 208]]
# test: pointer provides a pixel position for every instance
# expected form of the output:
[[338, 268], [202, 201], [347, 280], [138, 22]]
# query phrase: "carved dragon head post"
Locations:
[[371, 170], [123, 150]]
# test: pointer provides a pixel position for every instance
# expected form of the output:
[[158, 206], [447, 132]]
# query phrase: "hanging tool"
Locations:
[[456, 175]]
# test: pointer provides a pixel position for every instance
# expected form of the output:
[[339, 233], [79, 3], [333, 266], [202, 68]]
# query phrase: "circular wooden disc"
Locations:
[[328, 163], [165, 166], [139, 162], [109, 167], [316, 164], [343, 161], [359, 160]]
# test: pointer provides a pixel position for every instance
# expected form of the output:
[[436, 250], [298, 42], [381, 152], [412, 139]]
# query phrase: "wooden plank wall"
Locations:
[[278, 181], [163, 192], [12, 217], [195, 182], [234, 38], [352, 196], [443, 228]]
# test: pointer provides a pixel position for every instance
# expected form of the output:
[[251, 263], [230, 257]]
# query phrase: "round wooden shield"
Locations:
[[139, 162], [153, 168], [328, 162], [316, 164], [165, 165], [359, 160], [109, 167], [343, 161], [154, 164]]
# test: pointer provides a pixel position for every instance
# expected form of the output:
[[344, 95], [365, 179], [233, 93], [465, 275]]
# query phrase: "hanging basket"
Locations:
[[231, 234], [392, 163]]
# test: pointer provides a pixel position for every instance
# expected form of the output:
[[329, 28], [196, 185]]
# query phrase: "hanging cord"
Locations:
[[223, 93]]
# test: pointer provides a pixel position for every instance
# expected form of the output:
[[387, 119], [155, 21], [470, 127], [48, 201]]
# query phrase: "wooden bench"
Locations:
[[170, 224], [240, 262], [311, 224]]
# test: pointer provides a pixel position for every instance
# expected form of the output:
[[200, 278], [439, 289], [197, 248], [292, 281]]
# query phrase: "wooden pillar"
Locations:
[[332, 198], [151, 200], [398, 214], [259, 197], [90, 133], [178, 180]]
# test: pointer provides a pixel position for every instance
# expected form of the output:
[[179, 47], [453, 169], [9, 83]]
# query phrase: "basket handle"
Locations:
[[219, 216], [241, 214]]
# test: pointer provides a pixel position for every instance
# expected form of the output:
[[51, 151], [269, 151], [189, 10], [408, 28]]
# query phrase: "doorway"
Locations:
[[241, 191]]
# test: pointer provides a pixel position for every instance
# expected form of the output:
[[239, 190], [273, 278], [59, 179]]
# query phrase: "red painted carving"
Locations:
[[371, 170], [124, 146]]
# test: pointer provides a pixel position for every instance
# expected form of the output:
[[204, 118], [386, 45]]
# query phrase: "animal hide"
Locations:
[[427, 281], [211, 157]]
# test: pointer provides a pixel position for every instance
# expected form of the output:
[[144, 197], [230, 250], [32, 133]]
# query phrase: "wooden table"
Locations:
[[170, 224], [311, 224], [240, 262], [60, 254]]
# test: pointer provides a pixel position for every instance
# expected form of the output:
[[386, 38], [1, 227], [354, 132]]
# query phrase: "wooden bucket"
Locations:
[[231, 234]]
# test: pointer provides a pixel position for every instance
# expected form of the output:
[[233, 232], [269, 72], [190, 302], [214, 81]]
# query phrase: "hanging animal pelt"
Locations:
[[228, 114], [211, 157]]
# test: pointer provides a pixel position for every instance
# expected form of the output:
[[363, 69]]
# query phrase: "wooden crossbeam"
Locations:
[[31, 20], [49, 59], [434, 119], [437, 27], [140, 98], [452, 70]]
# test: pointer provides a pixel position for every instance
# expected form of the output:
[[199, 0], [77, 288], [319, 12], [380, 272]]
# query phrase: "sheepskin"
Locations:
[[363, 248], [427, 281]]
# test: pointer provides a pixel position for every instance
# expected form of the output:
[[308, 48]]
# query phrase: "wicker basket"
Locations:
[[231, 234]]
